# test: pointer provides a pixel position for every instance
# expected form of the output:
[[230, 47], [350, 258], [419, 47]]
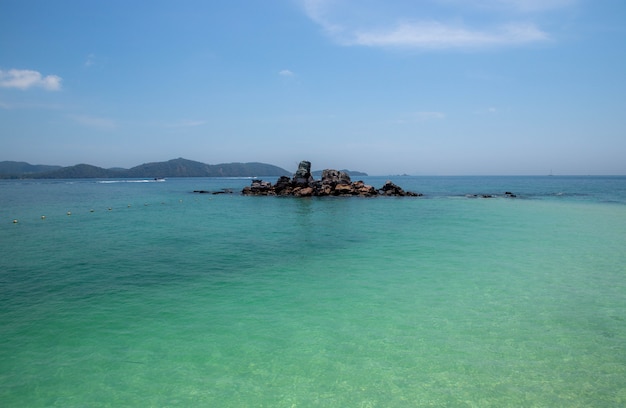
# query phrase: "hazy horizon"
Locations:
[[437, 87]]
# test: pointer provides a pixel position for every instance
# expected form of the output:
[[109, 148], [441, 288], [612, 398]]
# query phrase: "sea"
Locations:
[[142, 293]]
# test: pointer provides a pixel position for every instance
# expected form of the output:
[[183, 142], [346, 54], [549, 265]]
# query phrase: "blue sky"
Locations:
[[431, 87]]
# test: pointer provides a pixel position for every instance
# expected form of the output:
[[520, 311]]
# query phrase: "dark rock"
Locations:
[[259, 187], [334, 177], [303, 175], [283, 186], [390, 189], [333, 183]]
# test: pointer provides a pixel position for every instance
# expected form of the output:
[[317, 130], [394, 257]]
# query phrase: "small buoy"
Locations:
[[69, 213], [91, 210], [180, 201], [128, 205], [110, 208], [14, 221], [43, 217]]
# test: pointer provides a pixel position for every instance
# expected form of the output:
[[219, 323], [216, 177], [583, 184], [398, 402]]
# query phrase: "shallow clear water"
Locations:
[[178, 299]]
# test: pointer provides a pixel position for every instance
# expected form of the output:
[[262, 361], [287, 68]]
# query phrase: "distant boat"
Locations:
[[159, 179]]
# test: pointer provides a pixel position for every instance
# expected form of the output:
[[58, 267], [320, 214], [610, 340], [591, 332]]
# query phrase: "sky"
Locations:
[[420, 87]]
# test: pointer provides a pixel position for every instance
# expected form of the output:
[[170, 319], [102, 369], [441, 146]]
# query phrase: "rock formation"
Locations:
[[333, 183], [303, 175]]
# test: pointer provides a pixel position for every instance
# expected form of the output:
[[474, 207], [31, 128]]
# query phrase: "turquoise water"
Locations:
[[161, 297]]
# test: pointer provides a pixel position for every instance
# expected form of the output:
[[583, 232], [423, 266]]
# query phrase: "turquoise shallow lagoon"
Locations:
[[161, 297]]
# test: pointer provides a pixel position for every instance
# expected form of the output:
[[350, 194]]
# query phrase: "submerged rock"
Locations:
[[222, 191], [333, 183]]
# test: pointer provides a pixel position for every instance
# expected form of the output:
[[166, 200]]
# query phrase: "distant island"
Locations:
[[172, 168], [352, 173]]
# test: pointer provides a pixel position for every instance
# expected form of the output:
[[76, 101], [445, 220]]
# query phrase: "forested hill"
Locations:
[[9, 168], [173, 168]]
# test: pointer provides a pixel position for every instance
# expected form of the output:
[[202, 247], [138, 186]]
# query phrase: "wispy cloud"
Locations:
[[486, 111], [433, 24], [423, 116], [26, 79], [189, 123], [91, 60], [524, 6], [435, 35], [286, 73], [30, 105], [94, 121]]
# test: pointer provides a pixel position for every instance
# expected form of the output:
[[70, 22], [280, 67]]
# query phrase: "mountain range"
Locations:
[[172, 168]]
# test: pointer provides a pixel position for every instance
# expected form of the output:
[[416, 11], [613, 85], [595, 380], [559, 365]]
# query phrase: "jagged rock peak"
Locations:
[[303, 175]]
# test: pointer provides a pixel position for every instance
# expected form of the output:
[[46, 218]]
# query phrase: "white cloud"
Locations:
[[427, 25], [25, 79], [286, 73]]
